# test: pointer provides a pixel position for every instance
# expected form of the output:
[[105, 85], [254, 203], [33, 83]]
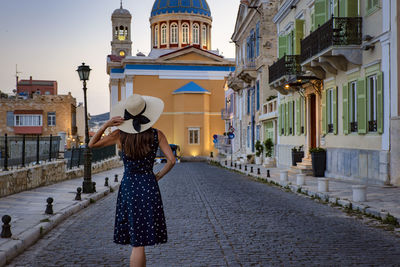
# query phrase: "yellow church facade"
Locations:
[[187, 76]]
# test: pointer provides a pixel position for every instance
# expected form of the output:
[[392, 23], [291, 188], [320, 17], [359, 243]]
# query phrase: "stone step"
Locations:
[[303, 165], [295, 170], [306, 160]]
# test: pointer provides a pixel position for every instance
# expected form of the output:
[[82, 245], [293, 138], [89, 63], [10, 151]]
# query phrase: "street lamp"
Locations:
[[84, 72]]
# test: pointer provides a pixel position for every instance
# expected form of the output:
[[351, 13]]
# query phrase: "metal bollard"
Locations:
[[245, 168], [106, 182], [226, 162], [94, 187], [231, 164], [49, 207], [116, 178], [258, 171], [240, 166], [268, 174], [251, 169], [6, 228], [235, 165], [78, 194], [72, 158]]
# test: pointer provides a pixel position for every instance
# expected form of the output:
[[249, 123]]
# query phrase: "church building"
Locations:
[[181, 69]]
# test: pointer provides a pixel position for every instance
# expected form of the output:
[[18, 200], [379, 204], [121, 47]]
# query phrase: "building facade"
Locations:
[[181, 69], [39, 115], [40, 87], [250, 108], [336, 84]]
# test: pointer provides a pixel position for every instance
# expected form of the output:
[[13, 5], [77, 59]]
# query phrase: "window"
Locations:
[[353, 107], [329, 105], [28, 120], [10, 118], [372, 111], [163, 34], [121, 33], [204, 35], [196, 33], [248, 136], [156, 35], [258, 39], [258, 127], [258, 95], [248, 101], [372, 5], [194, 136], [51, 119], [174, 33], [302, 115], [185, 33]]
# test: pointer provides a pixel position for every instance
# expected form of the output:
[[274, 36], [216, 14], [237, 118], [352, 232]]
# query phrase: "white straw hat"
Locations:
[[139, 112]]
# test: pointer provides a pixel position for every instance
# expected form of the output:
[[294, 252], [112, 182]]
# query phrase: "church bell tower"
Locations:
[[121, 44]]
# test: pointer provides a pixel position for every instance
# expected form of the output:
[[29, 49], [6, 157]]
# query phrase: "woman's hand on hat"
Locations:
[[114, 121]]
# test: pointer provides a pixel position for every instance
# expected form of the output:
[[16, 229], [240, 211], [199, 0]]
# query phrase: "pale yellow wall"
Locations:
[[192, 56], [175, 126]]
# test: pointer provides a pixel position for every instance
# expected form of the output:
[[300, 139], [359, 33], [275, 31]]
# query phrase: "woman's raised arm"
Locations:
[[112, 139]]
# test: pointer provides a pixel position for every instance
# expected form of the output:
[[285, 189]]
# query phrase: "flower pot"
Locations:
[[297, 157], [318, 163], [258, 160]]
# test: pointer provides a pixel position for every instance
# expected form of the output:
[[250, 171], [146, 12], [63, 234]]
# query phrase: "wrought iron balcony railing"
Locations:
[[335, 32], [287, 65]]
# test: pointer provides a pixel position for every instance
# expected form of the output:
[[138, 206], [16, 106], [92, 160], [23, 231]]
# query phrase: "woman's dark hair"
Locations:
[[136, 146]]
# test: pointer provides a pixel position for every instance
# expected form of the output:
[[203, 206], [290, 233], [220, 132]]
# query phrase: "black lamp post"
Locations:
[[84, 72]]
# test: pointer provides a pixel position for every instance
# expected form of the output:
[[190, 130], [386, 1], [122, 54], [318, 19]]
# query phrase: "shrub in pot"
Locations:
[[259, 149], [318, 158], [250, 159], [269, 146], [297, 155]]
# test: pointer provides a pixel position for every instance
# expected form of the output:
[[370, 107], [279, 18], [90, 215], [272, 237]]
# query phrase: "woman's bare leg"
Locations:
[[138, 257]]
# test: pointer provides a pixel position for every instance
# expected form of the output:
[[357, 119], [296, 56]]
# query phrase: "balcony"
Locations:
[[270, 110], [247, 72], [332, 46], [226, 114], [234, 82], [283, 71]]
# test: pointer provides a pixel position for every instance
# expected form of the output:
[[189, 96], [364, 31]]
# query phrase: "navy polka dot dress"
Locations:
[[139, 219]]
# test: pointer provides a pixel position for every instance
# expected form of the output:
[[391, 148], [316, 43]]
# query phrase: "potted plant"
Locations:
[[259, 149], [269, 146], [318, 159], [250, 159], [297, 155]]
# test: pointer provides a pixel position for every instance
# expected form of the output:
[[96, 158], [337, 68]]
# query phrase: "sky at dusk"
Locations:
[[48, 39]]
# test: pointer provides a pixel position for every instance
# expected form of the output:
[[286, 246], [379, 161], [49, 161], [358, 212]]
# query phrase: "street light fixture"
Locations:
[[84, 72]]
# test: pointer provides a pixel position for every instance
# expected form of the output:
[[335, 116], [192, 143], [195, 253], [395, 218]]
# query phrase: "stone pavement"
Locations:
[[381, 200], [216, 217], [27, 210]]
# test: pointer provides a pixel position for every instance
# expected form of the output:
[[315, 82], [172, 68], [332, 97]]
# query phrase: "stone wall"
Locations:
[[284, 155], [395, 151], [367, 166], [34, 176]]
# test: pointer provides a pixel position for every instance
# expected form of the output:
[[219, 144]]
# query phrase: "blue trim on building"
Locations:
[[174, 67], [191, 87]]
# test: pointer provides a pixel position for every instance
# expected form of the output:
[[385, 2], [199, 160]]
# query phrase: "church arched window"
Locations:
[[126, 32], [185, 33], [121, 33], [164, 34], [196, 33], [156, 35], [174, 33], [116, 32], [204, 35]]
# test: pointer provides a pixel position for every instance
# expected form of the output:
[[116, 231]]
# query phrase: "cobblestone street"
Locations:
[[220, 218]]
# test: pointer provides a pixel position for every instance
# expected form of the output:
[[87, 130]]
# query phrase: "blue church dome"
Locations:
[[199, 7]]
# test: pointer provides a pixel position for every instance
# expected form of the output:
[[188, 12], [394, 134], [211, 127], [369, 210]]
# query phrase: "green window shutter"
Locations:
[[282, 45], [351, 7], [280, 120], [324, 112], [361, 106], [313, 26], [305, 115], [299, 28], [345, 109], [292, 115], [379, 102], [286, 118], [335, 110], [342, 8], [321, 12], [289, 43], [298, 119]]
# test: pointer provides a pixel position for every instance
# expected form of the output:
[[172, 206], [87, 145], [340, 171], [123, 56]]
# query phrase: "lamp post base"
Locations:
[[87, 187]]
